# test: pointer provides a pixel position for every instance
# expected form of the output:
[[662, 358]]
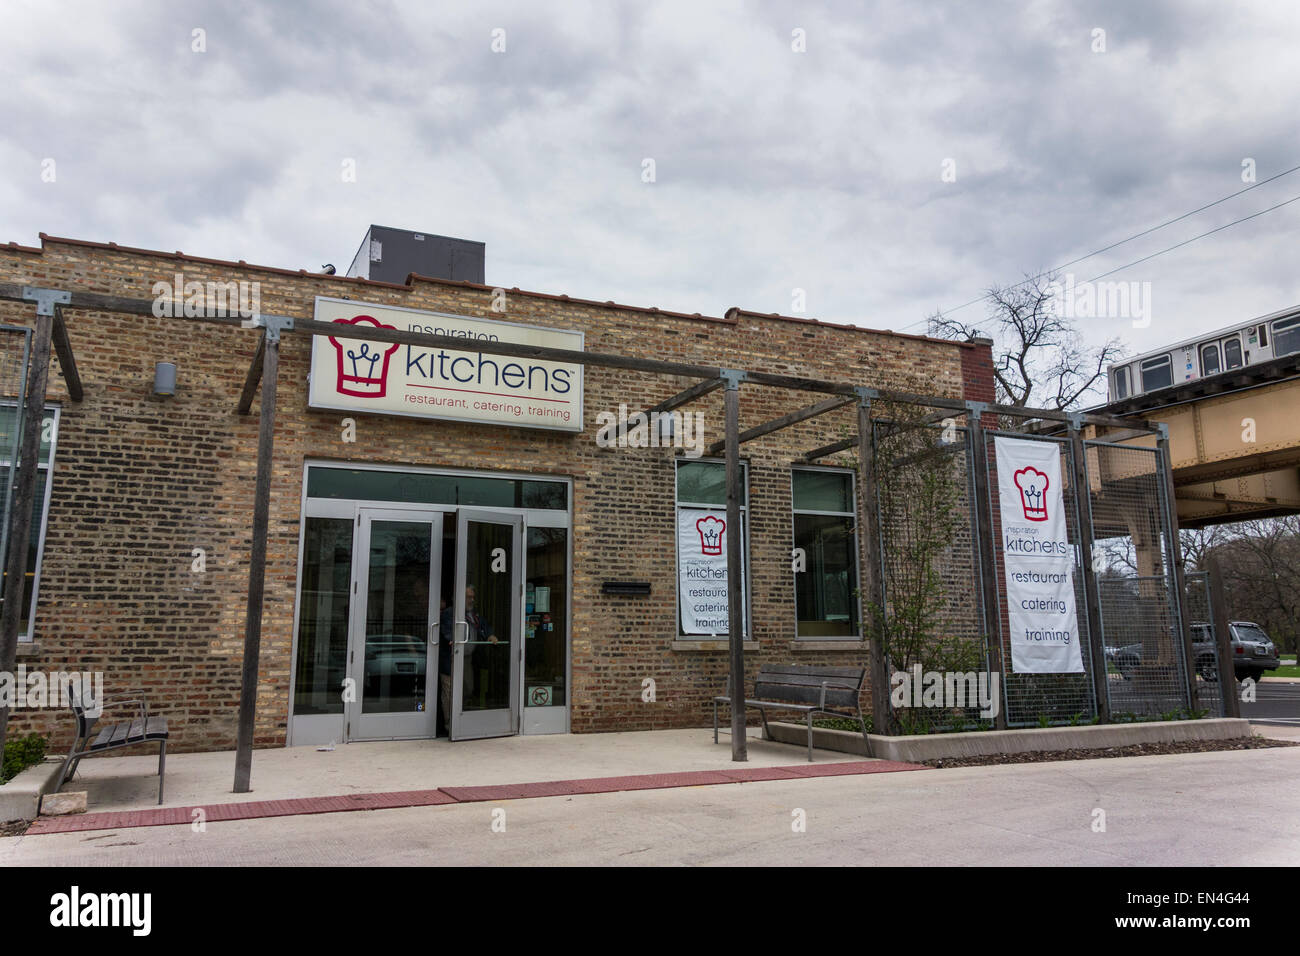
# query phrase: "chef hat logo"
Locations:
[[362, 367], [1033, 493], [710, 530]]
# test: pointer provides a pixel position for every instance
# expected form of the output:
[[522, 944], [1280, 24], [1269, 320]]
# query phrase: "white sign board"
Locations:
[[1037, 559], [353, 375], [702, 570]]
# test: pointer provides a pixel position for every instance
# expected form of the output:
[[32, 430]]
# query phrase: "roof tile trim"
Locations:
[[732, 316]]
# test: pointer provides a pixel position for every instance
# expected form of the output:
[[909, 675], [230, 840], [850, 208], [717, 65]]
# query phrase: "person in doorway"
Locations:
[[479, 629]]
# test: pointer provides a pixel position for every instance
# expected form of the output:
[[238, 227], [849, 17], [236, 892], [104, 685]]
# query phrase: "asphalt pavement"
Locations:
[[1276, 704]]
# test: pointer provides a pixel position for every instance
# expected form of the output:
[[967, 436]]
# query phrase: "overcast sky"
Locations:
[[774, 169]]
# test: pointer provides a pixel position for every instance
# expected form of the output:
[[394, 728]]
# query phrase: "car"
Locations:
[[1253, 652], [395, 659]]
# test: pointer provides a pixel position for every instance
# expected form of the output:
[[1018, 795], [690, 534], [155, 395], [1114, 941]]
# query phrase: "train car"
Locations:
[[1214, 353]]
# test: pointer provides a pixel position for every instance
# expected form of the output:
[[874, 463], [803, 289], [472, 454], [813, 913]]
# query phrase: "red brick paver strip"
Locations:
[[172, 816]]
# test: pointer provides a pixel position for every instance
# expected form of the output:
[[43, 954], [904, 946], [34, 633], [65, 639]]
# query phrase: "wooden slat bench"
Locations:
[[806, 688], [127, 733]]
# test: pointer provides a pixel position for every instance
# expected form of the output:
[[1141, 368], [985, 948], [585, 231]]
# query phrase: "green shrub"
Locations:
[[21, 753]]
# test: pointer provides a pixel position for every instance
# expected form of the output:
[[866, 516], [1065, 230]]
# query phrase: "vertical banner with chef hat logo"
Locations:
[[1037, 559], [702, 571]]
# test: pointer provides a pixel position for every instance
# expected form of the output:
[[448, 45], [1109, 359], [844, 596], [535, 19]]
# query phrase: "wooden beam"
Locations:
[[831, 449], [109, 303], [785, 421], [24, 494], [67, 361], [698, 390], [257, 567], [735, 576], [254, 376]]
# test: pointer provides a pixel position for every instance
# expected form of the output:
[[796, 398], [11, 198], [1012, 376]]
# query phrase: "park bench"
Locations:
[[806, 688], [142, 730]]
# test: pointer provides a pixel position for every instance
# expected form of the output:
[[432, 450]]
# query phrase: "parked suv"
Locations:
[[1253, 652]]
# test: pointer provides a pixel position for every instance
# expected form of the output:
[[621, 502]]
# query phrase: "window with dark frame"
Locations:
[[1157, 373], [826, 589]]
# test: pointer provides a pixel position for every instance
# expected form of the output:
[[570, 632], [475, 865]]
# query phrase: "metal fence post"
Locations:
[[1228, 691], [1091, 590], [735, 571], [1170, 516], [873, 577], [982, 508]]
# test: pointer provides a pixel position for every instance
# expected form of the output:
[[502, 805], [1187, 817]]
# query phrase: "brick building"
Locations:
[[139, 562]]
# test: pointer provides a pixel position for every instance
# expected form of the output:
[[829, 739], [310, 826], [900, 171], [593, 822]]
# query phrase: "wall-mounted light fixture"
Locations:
[[164, 379]]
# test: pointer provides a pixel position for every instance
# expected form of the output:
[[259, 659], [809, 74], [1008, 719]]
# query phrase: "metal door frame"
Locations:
[[388, 725], [502, 722]]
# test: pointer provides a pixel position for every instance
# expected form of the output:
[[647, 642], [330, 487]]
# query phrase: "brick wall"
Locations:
[[140, 482]]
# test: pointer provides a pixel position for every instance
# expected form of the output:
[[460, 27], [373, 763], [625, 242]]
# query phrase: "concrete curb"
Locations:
[[20, 798], [919, 748]]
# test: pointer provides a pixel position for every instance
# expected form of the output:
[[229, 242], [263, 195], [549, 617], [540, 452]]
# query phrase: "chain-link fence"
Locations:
[[1199, 608], [1031, 698], [930, 553], [1140, 612], [951, 571]]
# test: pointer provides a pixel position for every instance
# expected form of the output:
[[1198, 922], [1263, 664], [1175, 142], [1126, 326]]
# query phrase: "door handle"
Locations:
[[464, 624]]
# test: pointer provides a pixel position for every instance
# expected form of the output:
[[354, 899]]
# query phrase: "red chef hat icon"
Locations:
[[1033, 493], [710, 530], [360, 372]]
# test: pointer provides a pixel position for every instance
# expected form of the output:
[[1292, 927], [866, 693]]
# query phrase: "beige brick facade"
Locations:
[[140, 482]]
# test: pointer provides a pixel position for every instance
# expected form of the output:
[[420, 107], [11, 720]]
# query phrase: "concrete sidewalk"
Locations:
[[130, 783]]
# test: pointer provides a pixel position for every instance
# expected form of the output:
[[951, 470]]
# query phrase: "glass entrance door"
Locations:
[[393, 648], [488, 608]]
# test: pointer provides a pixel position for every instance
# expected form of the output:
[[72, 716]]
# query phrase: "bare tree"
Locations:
[[1261, 576], [1039, 357]]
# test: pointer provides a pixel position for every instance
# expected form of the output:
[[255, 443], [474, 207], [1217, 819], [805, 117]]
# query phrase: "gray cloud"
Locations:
[[775, 170]]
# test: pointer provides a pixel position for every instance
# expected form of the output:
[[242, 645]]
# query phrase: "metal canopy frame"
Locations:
[[264, 370]]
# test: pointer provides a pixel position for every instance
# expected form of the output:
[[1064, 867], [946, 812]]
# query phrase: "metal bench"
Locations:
[[142, 730], [805, 688]]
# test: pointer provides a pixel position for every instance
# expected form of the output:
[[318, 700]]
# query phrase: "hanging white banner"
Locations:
[[702, 571], [1037, 559]]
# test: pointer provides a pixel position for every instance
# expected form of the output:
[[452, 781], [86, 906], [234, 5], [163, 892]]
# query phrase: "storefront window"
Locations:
[[323, 616], [826, 603], [546, 617], [703, 601]]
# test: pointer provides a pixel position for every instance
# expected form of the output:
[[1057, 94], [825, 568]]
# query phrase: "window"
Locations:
[[1286, 336], [1232, 353], [1157, 373], [420, 488], [1263, 336], [1121, 384], [703, 600], [40, 503], [1210, 360], [825, 591]]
